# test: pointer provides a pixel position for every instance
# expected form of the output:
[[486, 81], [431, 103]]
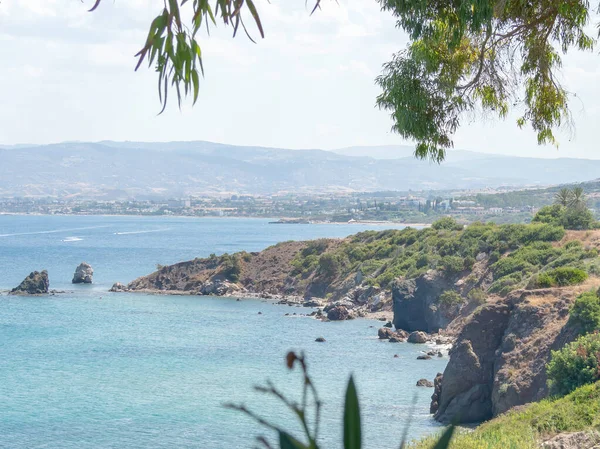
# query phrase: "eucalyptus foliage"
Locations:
[[463, 57]]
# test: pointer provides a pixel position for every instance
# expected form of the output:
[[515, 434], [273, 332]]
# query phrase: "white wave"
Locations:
[[53, 231], [72, 239], [142, 232]]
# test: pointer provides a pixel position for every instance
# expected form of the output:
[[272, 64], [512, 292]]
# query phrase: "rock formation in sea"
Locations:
[[36, 283], [84, 274]]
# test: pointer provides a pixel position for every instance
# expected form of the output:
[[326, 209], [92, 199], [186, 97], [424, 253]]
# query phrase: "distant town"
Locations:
[[338, 208]]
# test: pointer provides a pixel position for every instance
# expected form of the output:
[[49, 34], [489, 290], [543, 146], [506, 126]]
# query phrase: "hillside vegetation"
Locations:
[[534, 424]]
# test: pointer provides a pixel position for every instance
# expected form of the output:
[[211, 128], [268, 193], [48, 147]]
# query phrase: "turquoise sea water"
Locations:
[[91, 369]]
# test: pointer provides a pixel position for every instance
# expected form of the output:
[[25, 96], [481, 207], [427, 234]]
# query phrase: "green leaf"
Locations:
[[286, 441], [196, 83], [444, 441], [352, 433]]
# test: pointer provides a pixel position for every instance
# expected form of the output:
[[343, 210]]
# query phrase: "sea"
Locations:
[[86, 368]]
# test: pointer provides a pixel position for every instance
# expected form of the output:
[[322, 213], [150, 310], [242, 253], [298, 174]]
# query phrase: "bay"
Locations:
[[92, 369]]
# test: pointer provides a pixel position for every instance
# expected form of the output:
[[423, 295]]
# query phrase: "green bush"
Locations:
[[329, 265], [447, 223], [450, 297], [558, 277], [477, 295], [564, 276], [585, 313], [576, 364], [452, 265]]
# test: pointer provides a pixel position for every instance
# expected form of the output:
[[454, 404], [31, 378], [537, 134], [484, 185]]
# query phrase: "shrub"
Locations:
[[450, 297], [585, 313], [574, 365], [231, 267], [452, 265], [329, 264], [564, 276], [447, 223], [477, 295], [578, 218], [558, 277]]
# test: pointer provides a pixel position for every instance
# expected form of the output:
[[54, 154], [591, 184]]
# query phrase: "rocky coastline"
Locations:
[[498, 343]]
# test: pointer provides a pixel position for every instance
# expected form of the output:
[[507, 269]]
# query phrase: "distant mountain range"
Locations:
[[121, 170]]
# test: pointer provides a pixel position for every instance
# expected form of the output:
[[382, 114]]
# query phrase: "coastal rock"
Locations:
[[118, 287], [388, 324], [36, 283], [466, 390], [84, 274], [437, 391], [424, 357], [424, 383], [338, 313], [320, 340], [312, 303], [417, 337], [385, 333], [575, 440], [416, 305]]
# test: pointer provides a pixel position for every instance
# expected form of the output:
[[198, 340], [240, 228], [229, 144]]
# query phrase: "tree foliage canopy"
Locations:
[[464, 56]]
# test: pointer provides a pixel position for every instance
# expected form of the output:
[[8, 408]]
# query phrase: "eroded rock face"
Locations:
[[437, 391], [466, 389], [36, 283], [416, 305], [424, 383], [84, 274]]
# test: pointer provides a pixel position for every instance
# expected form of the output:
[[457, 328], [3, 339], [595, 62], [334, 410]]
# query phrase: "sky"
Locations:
[[67, 74]]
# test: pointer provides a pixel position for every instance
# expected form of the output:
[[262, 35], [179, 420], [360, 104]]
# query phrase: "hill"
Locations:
[[124, 170]]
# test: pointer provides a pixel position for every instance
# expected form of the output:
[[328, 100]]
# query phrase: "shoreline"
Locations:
[[314, 222]]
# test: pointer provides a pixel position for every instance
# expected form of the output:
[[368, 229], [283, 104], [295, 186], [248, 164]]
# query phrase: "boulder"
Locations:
[[338, 313], [424, 383], [83, 274], [424, 357], [320, 340], [417, 337], [388, 324], [385, 333], [312, 303], [36, 283], [118, 287], [437, 391], [416, 303]]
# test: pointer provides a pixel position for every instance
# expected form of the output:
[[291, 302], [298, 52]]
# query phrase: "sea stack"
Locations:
[[83, 274], [35, 284]]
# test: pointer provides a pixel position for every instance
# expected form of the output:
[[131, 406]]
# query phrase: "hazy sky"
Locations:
[[67, 74]]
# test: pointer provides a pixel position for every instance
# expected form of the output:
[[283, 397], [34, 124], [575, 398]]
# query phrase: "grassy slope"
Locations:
[[528, 427]]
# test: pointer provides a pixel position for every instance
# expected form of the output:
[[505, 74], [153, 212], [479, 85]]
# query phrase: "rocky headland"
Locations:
[[500, 294]]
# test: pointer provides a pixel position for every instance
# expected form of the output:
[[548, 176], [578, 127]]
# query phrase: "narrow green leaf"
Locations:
[[444, 441], [286, 441], [254, 13], [352, 431], [196, 83]]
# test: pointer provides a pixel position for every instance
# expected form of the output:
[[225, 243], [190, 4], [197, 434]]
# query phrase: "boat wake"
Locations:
[[53, 231]]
